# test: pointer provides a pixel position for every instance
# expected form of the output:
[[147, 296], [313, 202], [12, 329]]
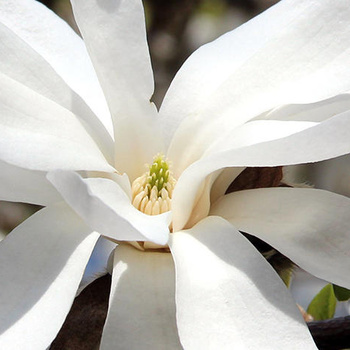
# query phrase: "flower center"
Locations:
[[152, 192]]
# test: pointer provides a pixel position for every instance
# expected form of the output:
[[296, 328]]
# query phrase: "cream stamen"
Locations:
[[152, 192]]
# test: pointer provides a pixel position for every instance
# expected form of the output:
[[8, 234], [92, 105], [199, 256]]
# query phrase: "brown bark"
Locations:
[[83, 327], [257, 178]]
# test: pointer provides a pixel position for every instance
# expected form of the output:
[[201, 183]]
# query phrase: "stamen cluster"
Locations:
[[152, 192]]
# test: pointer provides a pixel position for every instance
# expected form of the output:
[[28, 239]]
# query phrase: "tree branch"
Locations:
[[83, 327], [333, 334]]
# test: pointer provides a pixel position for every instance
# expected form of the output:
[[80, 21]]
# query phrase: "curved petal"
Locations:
[[141, 312], [98, 263], [258, 131], [115, 36], [303, 147], [59, 45], [296, 52], [248, 134], [36, 133], [41, 264], [309, 226], [20, 62], [314, 112], [107, 208], [28, 186], [223, 181], [228, 296]]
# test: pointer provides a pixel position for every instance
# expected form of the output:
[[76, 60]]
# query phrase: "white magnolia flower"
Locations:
[[267, 94]]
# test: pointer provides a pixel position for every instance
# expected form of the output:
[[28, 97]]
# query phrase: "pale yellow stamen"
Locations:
[[152, 192]]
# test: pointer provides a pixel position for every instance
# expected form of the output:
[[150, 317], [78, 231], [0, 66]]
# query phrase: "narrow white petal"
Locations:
[[22, 63], [104, 205], [296, 52], [36, 133], [248, 134], [314, 112], [115, 36], [137, 139], [228, 296], [41, 264], [28, 186], [223, 181], [303, 147], [259, 131], [309, 226], [141, 312], [59, 45]]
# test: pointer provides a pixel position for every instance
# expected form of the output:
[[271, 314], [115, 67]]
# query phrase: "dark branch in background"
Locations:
[[331, 334], [48, 3], [251, 178], [83, 327], [252, 7]]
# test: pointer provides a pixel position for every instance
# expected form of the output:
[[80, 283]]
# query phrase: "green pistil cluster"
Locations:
[[158, 173], [152, 192]]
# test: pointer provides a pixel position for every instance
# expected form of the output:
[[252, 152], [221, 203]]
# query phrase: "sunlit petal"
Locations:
[[292, 53], [108, 209], [228, 296], [22, 63], [51, 250], [115, 36], [141, 312], [309, 226], [28, 186], [314, 112], [36, 133], [248, 134], [59, 45], [302, 147]]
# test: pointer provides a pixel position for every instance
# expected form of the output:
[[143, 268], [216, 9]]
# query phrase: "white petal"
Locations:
[[115, 36], [258, 131], [42, 262], [245, 135], [314, 112], [228, 296], [223, 181], [141, 312], [137, 140], [309, 226], [107, 208], [296, 52], [59, 45], [302, 147], [98, 263], [22, 63], [28, 186], [36, 133]]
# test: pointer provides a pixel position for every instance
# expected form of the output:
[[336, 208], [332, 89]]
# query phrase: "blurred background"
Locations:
[[175, 29]]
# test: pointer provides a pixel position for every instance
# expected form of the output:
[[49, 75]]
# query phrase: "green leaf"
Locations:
[[342, 294], [322, 306]]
